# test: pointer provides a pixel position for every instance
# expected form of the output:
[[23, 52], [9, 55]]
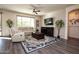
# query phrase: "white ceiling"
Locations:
[[28, 8]]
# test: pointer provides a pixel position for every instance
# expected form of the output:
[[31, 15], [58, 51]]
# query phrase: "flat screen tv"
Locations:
[[48, 21]]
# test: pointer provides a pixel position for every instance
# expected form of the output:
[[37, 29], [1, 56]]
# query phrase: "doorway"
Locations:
[[73, 24]]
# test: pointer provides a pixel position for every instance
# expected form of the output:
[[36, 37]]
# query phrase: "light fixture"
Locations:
[[36, 11]]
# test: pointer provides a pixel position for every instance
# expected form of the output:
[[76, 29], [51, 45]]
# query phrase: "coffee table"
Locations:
[[34, 42], [38, 35]]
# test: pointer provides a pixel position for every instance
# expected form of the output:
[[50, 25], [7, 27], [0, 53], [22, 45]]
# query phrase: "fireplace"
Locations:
[[48, 31]]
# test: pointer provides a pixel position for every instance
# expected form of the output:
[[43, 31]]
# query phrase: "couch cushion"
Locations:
[[27, 34]]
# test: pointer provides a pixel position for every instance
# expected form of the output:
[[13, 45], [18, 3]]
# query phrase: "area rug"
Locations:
[[29, 49]]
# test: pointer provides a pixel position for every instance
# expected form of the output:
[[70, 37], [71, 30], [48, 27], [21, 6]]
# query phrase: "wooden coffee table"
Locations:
[[38, 35], [5, 45]]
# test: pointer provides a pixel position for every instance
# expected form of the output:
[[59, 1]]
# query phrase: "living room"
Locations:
[[41, 24], [13, 15]]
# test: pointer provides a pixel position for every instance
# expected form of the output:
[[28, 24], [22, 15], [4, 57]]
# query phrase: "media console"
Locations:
[[48, 31]]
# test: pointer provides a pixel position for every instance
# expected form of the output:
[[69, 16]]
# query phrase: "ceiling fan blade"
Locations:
[[38, 11], [33, 10]]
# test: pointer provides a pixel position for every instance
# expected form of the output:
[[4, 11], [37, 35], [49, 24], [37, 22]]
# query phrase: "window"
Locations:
[[25, 21]]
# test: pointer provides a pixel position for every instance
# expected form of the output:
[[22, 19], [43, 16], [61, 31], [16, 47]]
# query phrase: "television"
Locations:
[[48, 21]]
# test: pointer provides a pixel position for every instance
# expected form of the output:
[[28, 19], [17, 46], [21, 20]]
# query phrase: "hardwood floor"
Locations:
[[70, 46], [61, 47], [17, 48], [5, 46]]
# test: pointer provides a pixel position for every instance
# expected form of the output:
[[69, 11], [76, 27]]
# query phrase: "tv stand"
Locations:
[[48, 31]]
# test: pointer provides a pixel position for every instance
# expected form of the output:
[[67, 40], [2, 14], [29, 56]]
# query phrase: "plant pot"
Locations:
[[58, 37]]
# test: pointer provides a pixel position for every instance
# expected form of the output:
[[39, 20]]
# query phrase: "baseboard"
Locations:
[[4, 36], [73, 38]]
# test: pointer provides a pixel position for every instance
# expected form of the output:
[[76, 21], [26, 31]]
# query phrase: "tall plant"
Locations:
[[9, 24], [59, 25]]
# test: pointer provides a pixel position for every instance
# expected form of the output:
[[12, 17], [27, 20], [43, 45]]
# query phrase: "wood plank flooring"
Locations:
[[60, 47], [70, 46], [5, 46], [17, 48]]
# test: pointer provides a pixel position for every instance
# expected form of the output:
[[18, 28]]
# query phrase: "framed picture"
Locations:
[[48, 21]]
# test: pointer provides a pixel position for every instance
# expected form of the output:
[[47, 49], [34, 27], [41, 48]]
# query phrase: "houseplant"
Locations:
[[59, 25], [9, 24]]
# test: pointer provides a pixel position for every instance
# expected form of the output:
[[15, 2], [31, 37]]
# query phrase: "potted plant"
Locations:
[[9, 24], [59, 25]]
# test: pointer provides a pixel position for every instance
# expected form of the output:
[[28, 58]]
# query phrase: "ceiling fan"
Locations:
[[35, 9]]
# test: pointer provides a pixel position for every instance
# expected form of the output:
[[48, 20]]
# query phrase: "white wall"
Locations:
[[9, 15], [73, 31], [5, 17], [57, 15]]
